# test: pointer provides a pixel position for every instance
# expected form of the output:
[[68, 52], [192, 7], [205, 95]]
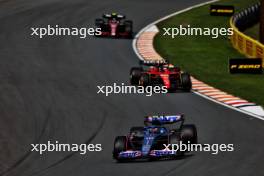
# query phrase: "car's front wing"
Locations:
[[152, 153]]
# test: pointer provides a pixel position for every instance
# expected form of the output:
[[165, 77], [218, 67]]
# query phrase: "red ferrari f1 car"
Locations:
[[115, 25], [161, 73]]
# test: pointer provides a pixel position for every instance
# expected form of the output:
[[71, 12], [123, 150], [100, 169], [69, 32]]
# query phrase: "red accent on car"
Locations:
[[113, 26]]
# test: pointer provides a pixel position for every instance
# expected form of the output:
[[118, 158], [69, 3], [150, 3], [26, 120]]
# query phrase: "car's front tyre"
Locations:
[[119, 146], [189, 134], [135, 74]]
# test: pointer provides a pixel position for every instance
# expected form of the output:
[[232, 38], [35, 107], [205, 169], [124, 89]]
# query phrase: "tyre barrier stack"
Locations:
[[243, 43]]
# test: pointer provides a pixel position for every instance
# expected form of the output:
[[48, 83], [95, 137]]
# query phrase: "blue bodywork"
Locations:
[[151, 135]]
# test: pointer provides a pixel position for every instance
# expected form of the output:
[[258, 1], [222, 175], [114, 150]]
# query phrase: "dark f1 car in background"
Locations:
[[160, 73], [148, 142], [115, 25]]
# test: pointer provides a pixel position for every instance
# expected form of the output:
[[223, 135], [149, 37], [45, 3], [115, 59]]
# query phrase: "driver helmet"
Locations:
[[114, 15], [171, 66]]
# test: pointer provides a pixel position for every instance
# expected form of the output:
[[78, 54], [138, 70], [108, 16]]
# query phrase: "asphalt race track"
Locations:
[[48, 92]]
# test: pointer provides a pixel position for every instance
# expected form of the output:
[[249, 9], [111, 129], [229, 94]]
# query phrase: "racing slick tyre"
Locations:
[[175, 139], [119, 146], [144, 80], [173, 88], [138, 131], [136, 137], [99, 22], [186, 82], [129, 28], [135, 74], [189, 134]]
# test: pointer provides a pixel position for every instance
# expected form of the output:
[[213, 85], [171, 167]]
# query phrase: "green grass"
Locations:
[[206, 58]]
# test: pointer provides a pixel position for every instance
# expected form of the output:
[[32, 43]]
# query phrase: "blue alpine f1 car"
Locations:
[[150, 141]]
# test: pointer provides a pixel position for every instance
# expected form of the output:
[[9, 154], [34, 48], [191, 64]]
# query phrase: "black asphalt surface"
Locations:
[[48, 92]]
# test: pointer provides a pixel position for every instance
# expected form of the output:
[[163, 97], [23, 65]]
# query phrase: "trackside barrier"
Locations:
[[243, 43]]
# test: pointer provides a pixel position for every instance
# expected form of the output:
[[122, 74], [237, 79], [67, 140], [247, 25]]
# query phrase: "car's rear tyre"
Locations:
[[175, 140], [138, 131], [144, 80], [129, 28], [119, 146], [189, 134], [186, 82], [99, 22], [135, 74]]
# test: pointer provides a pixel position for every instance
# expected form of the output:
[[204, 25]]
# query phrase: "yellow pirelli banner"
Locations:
[[246, 45]]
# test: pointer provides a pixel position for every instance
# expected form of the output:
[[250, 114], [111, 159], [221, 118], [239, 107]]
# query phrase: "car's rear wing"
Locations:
[[163, 119], [153, 62], [118, 16]]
